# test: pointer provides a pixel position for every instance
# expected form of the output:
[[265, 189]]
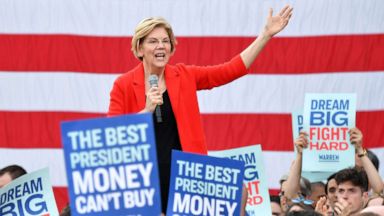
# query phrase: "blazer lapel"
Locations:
[[138, 86], [172, 79]]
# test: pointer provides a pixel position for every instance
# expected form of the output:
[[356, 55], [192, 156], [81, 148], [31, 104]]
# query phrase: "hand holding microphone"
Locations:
[[154, 97]]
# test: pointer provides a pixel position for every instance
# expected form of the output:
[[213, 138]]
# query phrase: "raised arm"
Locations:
[[274, 25], [293, 181], [356, 138]]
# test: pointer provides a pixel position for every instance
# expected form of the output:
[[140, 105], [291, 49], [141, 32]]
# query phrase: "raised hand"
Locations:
[[301, 142], [342, 208], [277, 23], [356, 138]]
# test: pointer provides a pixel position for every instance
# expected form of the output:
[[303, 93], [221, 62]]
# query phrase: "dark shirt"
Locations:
[[167, 138]]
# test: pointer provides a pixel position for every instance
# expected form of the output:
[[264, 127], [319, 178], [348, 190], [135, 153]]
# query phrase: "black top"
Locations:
[[167, 138]]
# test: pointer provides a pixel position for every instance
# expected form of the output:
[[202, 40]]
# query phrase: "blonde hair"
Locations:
[[145, 27]]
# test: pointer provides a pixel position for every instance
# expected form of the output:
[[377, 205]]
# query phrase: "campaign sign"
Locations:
[[111, 166], [327, 119], [297, 126], [258, 202], [203, 185], [30, 194]]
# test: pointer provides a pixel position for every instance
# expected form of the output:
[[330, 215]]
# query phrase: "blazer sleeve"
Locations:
[[208, 77], [116, 101]]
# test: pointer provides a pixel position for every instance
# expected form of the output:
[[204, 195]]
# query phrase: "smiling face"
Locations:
[[156, 50]]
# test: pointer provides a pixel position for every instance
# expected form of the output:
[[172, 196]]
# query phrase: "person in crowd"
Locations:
[[177, 120], [375, 181], [372, 157], [275, 206], [373, 211], [368, 161], [349, 204], [352, 191], [299, 209], [330, 190], [376, 200], [296, 207], [323, 206], [317, 191], [66, 211], [294, 188], [9, 173]]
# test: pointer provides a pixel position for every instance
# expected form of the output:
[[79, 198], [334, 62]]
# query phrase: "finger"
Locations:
[[337, 208], [270, 12], [286, 12], [289, 17], [320, 203], [282, 11], [153, 89], [157, 101], [303, 132]]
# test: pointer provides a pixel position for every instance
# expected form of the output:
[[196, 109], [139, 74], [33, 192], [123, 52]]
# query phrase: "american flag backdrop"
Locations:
[[59, 58]]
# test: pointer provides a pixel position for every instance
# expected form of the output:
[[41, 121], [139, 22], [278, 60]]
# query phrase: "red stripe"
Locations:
[[274, 192], [61, 197], [113, 55], [273, 131], [35, 129]]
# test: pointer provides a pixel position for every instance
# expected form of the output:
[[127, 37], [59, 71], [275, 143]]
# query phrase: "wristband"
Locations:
[[363, 154]]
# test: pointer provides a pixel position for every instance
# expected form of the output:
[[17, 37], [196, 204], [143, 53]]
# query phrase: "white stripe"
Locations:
[[276, 163], [189, 17], [35, 159], [285, 93], [87, 92], [78, 92]]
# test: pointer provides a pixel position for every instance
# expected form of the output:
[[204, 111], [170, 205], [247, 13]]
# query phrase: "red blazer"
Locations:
[[128, 95]]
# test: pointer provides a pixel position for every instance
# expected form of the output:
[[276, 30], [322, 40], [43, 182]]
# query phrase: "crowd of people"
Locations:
[[351, 191]]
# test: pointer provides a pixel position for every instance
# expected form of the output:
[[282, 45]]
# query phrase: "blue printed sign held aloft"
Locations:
[[258, 202], [203, 185], [111, 166], [29, 195], [327, 119]]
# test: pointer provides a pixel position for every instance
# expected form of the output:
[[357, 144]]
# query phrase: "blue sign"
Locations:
[[112, 166], [258, 202], [203, 185]]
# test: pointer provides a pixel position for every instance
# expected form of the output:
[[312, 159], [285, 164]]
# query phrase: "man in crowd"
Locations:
[[9, 173]]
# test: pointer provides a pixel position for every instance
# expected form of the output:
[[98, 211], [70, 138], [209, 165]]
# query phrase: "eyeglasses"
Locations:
[[301, 199]]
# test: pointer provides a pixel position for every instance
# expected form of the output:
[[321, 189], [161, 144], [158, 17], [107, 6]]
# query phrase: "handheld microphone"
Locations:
[[154, 82]]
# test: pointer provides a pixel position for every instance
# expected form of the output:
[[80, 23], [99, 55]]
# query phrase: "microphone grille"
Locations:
[[153, 80]]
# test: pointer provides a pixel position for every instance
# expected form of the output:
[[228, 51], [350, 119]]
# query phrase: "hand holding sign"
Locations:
[[327, 118], [301, 142], [356, 138]]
